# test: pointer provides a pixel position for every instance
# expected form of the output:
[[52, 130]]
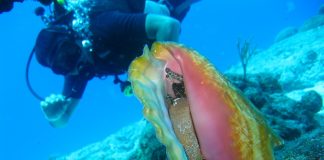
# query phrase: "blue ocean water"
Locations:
[[211, 27]]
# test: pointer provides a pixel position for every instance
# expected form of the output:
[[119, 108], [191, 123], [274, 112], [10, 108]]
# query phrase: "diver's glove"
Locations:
[[55, 106]]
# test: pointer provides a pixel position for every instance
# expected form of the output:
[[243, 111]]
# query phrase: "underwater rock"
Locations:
[[306, 61], [296, 115], [312, 103], [289, 131], [291, 118], [134, 142], [289, 113], [308, 147], [312, 23], [291, 89], [269, 83], [253, 93], [296, 62], [321, 10], [255, 87], [285, 33]]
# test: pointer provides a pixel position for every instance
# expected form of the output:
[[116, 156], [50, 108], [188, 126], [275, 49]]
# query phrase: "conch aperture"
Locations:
[[196, 112]]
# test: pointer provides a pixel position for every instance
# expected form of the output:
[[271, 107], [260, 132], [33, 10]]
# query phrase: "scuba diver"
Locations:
[[117, 32]]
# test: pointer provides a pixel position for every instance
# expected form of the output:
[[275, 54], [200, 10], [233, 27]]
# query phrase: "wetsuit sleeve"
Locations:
[[74, 86], [136, 6]]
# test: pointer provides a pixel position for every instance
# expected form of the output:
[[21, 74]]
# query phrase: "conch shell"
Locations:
[[196, 112]]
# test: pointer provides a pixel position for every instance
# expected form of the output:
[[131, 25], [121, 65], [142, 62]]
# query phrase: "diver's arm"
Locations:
[[59, 107]]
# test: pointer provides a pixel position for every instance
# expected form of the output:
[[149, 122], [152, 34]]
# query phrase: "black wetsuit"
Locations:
[[119, 35]]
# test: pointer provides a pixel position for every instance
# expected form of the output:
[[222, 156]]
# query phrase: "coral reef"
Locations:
[[286, 83]]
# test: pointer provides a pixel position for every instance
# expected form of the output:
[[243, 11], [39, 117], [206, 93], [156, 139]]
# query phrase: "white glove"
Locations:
[[54, 106]]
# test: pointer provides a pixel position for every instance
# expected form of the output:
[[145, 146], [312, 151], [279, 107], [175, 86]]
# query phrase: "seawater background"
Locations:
[[211, 27]]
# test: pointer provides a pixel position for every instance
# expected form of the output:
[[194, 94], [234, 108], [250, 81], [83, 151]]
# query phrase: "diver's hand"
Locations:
[[55, 106], [58, 109]]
